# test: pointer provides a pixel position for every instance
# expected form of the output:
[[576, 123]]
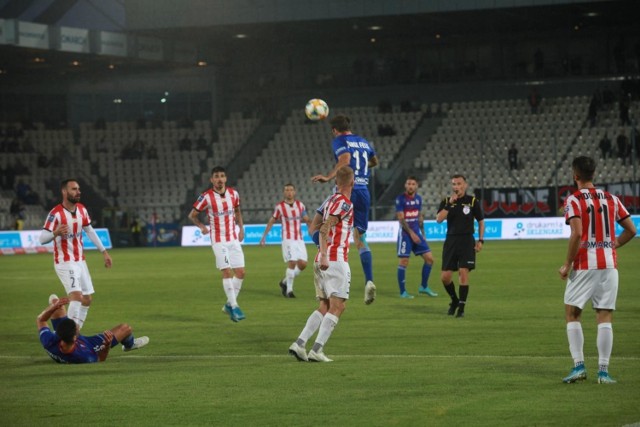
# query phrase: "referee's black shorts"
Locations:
[[459, 252]]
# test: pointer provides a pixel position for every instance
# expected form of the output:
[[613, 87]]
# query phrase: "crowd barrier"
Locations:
[[19, 242]]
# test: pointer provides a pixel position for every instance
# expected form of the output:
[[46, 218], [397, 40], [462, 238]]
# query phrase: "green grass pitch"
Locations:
[[397, 362]]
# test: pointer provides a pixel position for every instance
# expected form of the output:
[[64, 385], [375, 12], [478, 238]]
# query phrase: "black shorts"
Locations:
[[459, 252]]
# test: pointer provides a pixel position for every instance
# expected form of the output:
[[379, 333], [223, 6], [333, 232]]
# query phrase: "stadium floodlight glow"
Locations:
[[166, 93], [202, 63], [111, 66], [372, 40], [117, 101], [592, 14], [163, 100], [375, 28], [75, 63], [38, 59], [240, 36]]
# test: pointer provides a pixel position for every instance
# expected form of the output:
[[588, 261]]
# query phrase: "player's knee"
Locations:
[[122, 331], [302, 265], [86, 300], [404, 261], [75, 296], [239, 273]]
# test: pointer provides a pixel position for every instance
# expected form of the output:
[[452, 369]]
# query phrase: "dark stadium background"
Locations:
[[264, 59]]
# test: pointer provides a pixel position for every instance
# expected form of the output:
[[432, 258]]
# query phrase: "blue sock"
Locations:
[[367, 264], [401, 278], [426, 272], [316, 238], [128, 341]]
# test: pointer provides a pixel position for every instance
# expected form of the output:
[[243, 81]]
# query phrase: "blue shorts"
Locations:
[[406, 245], [361, 203]]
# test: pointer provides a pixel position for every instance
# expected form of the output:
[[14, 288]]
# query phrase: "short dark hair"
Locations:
[[218, 169], [290, 185], [64, 182], [412, 178], [459, 176], [584, 167], [341, 123], [66, 330]]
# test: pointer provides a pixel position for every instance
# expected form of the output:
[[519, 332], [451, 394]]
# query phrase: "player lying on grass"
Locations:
[[65, 344]]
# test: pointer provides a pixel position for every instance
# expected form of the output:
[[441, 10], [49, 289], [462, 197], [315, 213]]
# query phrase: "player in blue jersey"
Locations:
[[65, 344], [353, 150], [411, 237]]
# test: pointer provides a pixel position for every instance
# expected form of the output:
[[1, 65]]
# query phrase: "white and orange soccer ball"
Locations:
[[316, 109]]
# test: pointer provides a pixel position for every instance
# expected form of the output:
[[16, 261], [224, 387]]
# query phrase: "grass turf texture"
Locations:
[[397, 362]]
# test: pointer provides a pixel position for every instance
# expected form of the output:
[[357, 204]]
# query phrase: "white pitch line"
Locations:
[[338, 356]]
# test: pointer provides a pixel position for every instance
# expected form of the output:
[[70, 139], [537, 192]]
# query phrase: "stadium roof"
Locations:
[[217, 43]]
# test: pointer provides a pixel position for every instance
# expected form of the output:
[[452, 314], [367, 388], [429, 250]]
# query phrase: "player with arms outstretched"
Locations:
[[354, 151], [291, 212]]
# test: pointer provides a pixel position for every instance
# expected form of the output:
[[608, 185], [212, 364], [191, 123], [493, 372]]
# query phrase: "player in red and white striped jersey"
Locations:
[[590, 265], [332, 276], [64, 226], [222, 204], [291, 213]]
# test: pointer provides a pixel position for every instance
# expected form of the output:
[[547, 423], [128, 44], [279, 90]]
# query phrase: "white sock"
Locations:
[[576, 341], [237, 285], [229, 290], [329, 322], [313, 323], [289, 276], [605, 343], [82, 315], [74, 312], [296, 271]]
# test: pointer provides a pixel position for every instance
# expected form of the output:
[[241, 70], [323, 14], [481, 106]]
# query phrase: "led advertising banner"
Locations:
[[74, 40], [28, 241]]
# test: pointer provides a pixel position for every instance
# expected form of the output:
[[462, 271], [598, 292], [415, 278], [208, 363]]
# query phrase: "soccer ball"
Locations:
[[316, 109]]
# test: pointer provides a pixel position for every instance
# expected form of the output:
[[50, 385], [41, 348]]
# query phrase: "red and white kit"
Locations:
[[338, 238], [291, 218], [221, 212], [599, 211], [70, 247]]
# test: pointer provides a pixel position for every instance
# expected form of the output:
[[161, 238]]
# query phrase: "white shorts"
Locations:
[[294, 250], [599, 286], [228, 255], [75, 277], [332, 282]]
